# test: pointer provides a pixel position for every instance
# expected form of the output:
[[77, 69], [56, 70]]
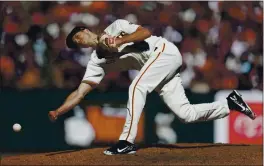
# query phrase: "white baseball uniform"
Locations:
[[159, 66]]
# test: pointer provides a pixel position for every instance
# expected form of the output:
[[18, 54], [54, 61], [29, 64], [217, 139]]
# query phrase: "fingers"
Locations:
[[111, 42], [103, 41], [108, 43], [52, 116], [112, 45]]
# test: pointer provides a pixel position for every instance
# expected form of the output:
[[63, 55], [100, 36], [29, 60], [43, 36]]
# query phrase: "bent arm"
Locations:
[[139, 35], [74, 98]]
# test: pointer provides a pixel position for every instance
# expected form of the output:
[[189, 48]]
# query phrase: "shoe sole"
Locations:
[[253, 113], [111, 154]]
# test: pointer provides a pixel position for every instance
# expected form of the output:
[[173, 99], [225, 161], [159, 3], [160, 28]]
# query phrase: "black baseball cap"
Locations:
[[69, 41]]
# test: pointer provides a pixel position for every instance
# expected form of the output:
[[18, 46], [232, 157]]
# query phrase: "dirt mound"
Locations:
[[178, 154]]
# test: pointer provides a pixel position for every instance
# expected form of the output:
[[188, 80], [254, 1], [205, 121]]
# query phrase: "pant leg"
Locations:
[[156, 69], [174, 96]]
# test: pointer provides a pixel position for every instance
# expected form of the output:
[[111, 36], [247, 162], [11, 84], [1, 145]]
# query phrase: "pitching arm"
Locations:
[[139, 35], [135, 33], [72, 100]]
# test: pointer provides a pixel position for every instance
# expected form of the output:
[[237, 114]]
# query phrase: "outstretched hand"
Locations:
[[53, 116]]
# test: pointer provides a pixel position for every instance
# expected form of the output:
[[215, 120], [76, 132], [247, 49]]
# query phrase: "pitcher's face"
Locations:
[[85, 38]]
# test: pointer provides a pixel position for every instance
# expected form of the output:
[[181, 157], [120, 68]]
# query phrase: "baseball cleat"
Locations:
[[121, 147], [235, 102]]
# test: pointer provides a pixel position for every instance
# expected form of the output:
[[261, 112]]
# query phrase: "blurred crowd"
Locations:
[[221, 42]]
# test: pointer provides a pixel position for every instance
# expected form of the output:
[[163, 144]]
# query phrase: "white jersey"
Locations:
[[159, 67], [129, 56]]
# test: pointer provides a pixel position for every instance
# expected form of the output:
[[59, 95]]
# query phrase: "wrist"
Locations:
[[57, 113], [122, 41]]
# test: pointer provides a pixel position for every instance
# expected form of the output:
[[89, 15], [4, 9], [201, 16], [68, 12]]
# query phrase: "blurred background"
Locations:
[[222, 48]]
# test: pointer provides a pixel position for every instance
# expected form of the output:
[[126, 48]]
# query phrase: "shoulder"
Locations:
[[121, 21], [114, 26], [97, 57], [94, 57]]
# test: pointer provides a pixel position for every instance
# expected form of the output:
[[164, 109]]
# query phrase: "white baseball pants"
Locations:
[[160, 73]]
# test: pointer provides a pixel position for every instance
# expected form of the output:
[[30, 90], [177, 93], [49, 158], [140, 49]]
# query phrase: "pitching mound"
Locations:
[[179, 154]]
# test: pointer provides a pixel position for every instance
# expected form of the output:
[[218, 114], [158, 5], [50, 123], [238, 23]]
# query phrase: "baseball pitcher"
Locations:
[[124, 46]]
